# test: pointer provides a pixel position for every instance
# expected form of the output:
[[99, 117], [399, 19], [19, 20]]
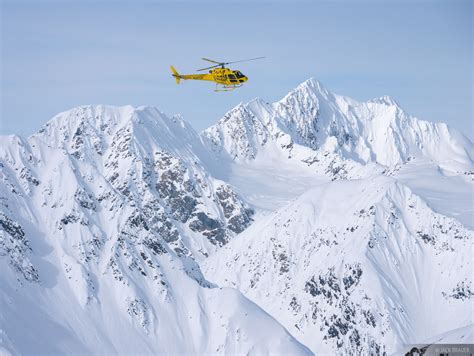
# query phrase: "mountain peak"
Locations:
[[377, 130], [313, 82], [314, 85], [106, 118], [311, 91], [95, 115], [386, 100]]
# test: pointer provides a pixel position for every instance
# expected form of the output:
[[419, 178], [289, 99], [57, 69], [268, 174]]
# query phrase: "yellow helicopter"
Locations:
[[228, 78]]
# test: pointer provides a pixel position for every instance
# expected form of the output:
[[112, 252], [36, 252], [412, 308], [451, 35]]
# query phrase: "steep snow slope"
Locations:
[[104, 214], [462, 335], [171, 314], [359, 266]]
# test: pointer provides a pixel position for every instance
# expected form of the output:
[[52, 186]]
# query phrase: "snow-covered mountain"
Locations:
[[105, 214], [315, 223], [363, 266], [315, 125]]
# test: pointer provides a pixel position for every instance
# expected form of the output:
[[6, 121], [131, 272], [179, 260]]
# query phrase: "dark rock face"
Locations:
[[352, 277], [69, 219], [155, 246], [15, 245], [327, 285], [173, 187], [344, 323], [211, 228], [238, 216], [462, 291], [85, 199], [183, 192], [138, 310], [26, 175]]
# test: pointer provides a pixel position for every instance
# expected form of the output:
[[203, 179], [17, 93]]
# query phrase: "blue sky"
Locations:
[[57, 55]]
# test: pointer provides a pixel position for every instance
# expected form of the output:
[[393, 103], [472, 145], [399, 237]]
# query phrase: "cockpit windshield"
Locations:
[[238, 74]]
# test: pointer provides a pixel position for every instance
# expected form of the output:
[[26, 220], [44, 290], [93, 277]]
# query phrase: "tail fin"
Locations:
[[175, 75]]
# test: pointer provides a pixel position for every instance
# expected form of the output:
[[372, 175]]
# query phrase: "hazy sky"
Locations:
[[57, 55]]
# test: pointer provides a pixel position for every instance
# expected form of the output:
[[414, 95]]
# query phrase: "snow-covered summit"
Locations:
[[311, 116], [386, 100], [95, 128]]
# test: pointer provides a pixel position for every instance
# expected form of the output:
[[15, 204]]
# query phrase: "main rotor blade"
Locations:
[[245, 60], [210, 60], [224, 63], [217, 65]]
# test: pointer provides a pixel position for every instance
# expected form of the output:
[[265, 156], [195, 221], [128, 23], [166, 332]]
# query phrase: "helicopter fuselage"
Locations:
[[223, 76]]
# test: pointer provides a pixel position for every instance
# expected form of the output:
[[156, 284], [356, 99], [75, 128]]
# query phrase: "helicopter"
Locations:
[[218, 73]]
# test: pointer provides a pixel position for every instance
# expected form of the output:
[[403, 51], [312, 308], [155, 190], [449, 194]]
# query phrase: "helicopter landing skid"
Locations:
[[227, 87]]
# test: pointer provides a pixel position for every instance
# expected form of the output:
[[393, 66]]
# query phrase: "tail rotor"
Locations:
[[175, 74]]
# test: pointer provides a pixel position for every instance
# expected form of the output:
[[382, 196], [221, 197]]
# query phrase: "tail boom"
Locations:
[[178, 76]]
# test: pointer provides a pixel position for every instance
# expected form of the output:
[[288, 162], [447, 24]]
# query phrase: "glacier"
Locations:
[[316, 224]]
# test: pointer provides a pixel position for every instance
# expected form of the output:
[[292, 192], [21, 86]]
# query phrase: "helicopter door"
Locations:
[[232, 78]]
